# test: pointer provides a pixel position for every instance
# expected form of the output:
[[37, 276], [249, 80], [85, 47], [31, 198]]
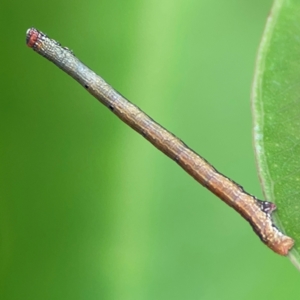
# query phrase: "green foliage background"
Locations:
[[90, 210]]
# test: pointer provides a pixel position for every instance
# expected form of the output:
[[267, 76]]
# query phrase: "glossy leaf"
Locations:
[[276, 109]]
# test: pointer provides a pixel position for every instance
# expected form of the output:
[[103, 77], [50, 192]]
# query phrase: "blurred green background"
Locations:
[[88, 208]]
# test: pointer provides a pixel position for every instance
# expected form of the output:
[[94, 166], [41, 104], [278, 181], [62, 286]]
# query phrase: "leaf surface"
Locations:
[[276, 111]]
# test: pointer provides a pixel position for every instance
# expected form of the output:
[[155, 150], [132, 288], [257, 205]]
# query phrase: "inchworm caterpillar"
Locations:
[[256, 212]]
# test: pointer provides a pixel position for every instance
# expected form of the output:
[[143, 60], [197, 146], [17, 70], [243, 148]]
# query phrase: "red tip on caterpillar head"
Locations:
[[32, 36], [286, 244]]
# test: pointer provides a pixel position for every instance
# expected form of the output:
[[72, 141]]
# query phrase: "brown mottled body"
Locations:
[[256, 212]]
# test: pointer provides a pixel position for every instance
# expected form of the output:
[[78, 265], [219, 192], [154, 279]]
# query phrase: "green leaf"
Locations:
[[276, 111]]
